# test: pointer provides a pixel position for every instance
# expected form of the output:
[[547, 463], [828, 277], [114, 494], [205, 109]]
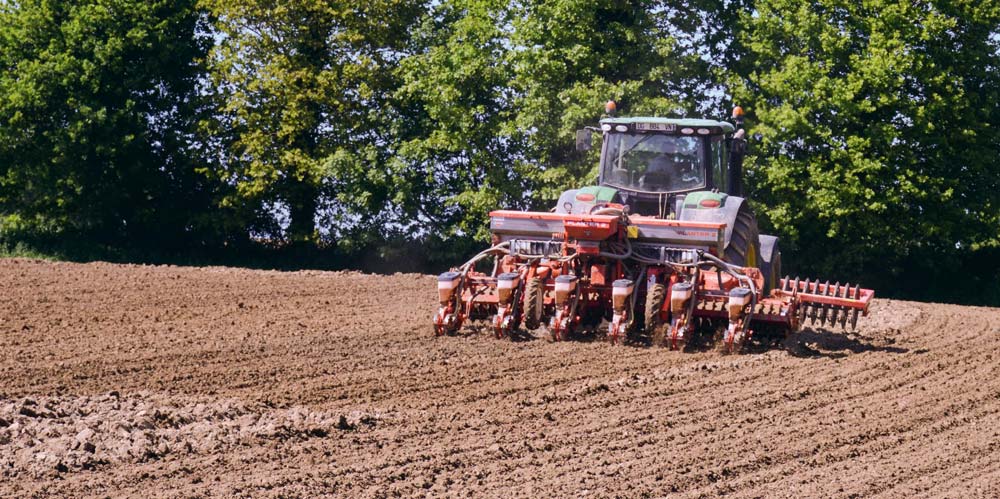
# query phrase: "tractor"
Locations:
[[664, 246]]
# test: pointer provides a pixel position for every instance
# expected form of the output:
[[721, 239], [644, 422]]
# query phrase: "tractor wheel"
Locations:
[[744, 244], [775, 271], [654, 302], [534, 292], [770, 264]]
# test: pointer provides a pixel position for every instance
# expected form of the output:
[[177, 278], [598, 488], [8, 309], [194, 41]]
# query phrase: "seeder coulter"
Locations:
[[655, 248]]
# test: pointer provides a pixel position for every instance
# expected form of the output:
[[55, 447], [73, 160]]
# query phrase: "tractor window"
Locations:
[[652, 162], [719, 166]]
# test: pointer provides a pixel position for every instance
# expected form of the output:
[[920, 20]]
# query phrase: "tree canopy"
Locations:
[[304, 90], [879, 128], [402, 123], [98, 112]]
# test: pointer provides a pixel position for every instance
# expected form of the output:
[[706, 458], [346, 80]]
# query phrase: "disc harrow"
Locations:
[[828, 303]]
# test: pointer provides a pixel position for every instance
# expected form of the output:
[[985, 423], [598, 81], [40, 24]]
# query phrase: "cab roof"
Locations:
[[715, 127]]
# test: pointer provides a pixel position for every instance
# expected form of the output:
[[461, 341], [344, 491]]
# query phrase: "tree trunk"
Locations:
[[302, 205]]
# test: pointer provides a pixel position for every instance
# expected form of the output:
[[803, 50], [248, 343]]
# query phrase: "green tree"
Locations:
[[303, 122], [457, 159], [498, 89], [574, 55], [98, 101], [880, 130]]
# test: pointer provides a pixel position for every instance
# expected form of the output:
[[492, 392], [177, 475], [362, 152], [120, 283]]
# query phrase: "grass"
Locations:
[[21, 250]]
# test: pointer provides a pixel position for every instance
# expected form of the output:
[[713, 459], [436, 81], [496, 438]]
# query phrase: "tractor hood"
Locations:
[[585, 199]]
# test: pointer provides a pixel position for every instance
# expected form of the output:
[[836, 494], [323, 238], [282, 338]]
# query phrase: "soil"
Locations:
[[142, 381]]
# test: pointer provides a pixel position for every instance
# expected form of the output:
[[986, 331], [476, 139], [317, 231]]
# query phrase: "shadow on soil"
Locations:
[[810, 342], [807, 343]]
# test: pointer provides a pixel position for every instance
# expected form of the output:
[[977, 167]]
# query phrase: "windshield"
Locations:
[[654, 162]]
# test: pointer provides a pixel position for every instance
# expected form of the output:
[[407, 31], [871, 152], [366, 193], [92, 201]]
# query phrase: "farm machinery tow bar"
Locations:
[[656, 247]]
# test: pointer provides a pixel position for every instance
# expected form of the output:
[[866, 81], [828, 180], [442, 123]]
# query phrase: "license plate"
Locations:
[[656, 127]]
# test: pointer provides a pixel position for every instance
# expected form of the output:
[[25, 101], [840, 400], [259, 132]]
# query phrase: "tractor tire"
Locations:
[[744, 244], [652, 324], [775, 271], [534, 292], [770, 262]]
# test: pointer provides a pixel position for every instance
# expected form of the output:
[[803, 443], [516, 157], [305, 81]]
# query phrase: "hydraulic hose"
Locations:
[[620, 256], [483, 254]]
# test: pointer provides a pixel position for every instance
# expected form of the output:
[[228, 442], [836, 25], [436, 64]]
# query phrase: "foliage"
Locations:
[[457, 160], [573, 56], [304, 91], [97, 103], [498, 89], [382, 133], [879, 124]]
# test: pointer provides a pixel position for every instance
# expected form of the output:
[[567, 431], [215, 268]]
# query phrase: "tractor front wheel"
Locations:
[[534, 292]]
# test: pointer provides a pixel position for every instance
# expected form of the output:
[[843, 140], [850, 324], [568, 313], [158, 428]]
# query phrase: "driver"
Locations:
[[657, 173], [659, 165]]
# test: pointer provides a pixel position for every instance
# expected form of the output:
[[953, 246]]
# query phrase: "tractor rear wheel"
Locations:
[[775, 270], [654, 303], [744, 243], [534, 292], [770, 262]]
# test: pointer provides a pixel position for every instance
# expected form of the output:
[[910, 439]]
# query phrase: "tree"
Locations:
[[880, 130], [304, 86], [457, 159], [98, 101], [572, 56], [497, 90]]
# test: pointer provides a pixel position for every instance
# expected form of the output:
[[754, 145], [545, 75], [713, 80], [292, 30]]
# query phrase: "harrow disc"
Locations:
[[827, 303]]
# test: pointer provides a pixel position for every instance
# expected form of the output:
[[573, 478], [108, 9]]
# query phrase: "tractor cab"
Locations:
[[653, 163]]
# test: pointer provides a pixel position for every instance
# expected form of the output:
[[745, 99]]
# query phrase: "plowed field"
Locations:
[[186, 382]]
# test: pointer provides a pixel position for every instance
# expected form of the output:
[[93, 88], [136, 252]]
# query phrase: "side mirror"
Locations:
[[584, 140]]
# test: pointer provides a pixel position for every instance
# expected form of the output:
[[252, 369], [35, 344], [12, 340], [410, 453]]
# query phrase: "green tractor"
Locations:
[[665, 245], [679, 169]]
